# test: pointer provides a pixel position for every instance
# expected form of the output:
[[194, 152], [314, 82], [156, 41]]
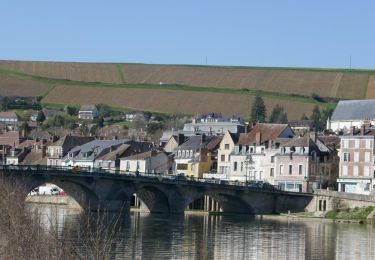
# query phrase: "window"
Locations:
[[262, 150], [272, 159], [368, 144], [222, 158], [345, 170], [251, 150], [127, 165], [346, 157], [356, 143], [366, 171], [272, 172], [226, 147], [367, 157], [235, 166], [355, 170], [345, 143], [182, 166], [300, 168], [281, 169], [356, 156], [241, 166], [290, 169], [367, 187]]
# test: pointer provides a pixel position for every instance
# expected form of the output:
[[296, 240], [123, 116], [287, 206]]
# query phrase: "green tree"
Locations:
[[40, 117], [72, 111], [84, 129], [25, 127], [278, 115], [258, 110], [316, 117], [103, 110], [94, 131], [304, 117], [153, 127], [58, 121]]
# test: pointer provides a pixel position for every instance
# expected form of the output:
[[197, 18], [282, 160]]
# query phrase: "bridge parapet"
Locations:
[[163, 193]]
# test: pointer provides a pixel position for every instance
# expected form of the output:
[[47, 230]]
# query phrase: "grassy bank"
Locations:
[[356, 214]]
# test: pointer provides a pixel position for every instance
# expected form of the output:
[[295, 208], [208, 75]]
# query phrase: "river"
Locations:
[[145, 236]]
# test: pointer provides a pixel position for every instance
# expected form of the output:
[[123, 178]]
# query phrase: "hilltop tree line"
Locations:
[[258, 114]]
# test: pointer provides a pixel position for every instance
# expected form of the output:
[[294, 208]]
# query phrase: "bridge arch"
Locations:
[[154, 198], [82, 195], [212, 201]]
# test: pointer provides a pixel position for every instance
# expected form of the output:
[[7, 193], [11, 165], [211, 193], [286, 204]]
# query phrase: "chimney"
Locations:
[[363, 129], [352, 130], [181, 139], [313, 136], [257, 138], [203, 138]]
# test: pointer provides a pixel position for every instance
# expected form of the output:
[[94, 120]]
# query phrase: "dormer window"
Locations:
[[251, 149]]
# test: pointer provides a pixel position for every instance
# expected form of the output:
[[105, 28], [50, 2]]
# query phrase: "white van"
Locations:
[[47, 189]]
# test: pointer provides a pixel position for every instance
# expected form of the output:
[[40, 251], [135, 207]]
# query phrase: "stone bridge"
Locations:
[[161, 194]]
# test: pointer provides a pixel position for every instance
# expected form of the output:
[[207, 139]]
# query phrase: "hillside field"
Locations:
[[183, 88]]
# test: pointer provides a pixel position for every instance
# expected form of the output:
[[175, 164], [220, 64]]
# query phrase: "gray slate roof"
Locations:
[[354, 110], [94, 149]]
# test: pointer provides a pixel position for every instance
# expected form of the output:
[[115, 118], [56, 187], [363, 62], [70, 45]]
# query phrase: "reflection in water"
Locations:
[[144, 236]]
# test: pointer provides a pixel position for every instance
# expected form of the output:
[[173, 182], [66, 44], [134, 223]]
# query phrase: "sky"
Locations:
[[319, 33]]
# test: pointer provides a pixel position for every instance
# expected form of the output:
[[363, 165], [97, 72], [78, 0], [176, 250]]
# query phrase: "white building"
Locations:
[[352, 113], [247, 161], [88, 112], [153, 161]]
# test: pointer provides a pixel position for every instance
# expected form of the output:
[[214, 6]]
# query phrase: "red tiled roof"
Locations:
[[267, 132], [8, 115]]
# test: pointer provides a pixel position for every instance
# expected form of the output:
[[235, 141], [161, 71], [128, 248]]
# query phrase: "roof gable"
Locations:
[[354, 110]]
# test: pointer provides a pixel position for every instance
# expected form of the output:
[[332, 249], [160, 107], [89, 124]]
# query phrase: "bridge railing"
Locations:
[[69, 170]]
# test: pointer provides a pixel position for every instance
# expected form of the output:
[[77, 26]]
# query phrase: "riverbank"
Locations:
[[363, 215], [65, 201]]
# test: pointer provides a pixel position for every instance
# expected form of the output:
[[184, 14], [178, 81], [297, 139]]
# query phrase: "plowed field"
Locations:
[[170, 101]]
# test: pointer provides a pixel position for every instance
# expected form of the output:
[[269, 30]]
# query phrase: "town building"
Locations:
[[104, 154], [153, 161], [215, 124], [57, 150], [303, 164], [8, 118], [246, 160], [195, 156], [352, 113], [10, 138], [356, 164], [88, 112], [301, 127]]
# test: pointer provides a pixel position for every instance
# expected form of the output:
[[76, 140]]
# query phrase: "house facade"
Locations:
[[8, 118], [153, 161], [226, 147], [352, 113], [249, 158], [57, 150], [193, 157], [88, 112], [356, 164], [303, 164]]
